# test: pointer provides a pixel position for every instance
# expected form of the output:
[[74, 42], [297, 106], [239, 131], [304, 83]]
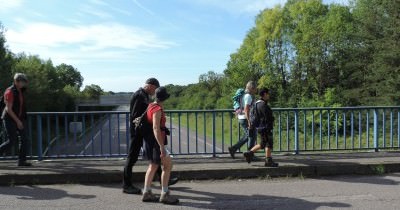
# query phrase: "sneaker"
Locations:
[[271, 164], [248, 156], [24, 164], [232, 152], [166, 198], [149, 197], [132, 190]]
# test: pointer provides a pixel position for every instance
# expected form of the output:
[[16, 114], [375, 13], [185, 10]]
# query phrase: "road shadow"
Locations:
[[210, 200], [40, 193]]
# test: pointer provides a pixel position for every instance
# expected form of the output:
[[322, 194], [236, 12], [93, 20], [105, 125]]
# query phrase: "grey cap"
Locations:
[[20, 77]]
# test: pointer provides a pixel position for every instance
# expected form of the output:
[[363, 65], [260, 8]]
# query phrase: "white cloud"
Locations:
[[9, 4], [95, 12], [242, 6], [106, 41]]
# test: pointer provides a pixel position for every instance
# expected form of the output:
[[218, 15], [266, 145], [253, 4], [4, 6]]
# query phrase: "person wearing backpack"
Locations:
[[243, 116], [139, 103], [155, 150], [14, 118], [261, 115]]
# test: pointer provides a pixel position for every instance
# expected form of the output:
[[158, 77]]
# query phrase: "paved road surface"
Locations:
[[349, 192], [115, 126]]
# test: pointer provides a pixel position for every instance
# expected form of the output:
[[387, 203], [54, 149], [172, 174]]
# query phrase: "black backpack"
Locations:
[[255, 120]]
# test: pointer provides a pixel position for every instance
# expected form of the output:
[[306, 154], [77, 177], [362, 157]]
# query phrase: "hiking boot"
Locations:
[[248, 156], [149, 197], [132, 190], [270, 163], [232, 152], [166, 198]]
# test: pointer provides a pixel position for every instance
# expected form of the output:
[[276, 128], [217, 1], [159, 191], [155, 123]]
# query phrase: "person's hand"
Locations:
[[20, 125], [163, 153]]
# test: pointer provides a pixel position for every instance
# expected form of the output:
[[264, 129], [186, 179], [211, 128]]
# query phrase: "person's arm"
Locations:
[[247, 113], [157, 131], [11, 113]]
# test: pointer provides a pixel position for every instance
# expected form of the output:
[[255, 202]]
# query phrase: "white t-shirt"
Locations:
[[247, 100]]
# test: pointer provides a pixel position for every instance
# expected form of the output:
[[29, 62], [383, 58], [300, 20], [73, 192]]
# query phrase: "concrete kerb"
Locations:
[[110, 171]]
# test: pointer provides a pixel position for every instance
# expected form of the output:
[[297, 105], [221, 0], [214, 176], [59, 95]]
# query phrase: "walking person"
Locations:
[[14, 118], [266, 117], [243, 117], [138, 105], [156, 152]]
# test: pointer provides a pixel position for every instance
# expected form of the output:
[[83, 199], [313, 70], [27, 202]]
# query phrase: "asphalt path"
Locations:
[[110, 138], [346, 192]]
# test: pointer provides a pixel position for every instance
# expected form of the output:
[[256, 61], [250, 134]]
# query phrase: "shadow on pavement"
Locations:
[[209, 200], [40, 193]]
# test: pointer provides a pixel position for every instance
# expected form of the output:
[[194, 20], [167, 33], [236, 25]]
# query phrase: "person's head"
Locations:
[[151, 85], [161, 94], [20, 80], [251, 87], [264, 94]]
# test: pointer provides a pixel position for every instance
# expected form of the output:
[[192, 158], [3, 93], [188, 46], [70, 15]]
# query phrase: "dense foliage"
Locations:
[[311, 54], [51, 88]]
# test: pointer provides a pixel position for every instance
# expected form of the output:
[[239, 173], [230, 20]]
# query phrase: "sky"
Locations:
[[118, 44]]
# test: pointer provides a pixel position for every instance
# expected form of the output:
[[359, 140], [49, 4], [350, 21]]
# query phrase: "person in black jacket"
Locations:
[[139, 103], [265, 130], [14, 118]]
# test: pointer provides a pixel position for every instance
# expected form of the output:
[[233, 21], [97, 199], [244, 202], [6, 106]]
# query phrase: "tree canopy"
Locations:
[[312, 54]]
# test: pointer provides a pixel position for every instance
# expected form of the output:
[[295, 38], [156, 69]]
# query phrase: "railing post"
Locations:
[[376, 130], [296, 132], [213, 134], [40, 137]]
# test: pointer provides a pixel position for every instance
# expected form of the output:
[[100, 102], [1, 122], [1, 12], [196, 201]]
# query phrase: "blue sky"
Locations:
[[118, 44]]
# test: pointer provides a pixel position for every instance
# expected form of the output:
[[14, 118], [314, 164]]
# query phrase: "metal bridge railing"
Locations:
[[211, 132]]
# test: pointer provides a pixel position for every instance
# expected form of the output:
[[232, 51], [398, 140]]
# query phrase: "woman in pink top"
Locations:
[[156, 152]]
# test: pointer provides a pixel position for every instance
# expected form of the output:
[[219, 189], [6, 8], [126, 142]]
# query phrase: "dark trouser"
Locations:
[[133, 155], [248, 136], [12, 137]]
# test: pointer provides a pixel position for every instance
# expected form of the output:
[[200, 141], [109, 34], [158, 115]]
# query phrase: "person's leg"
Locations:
[[11, 135], [252, 137], [133, 154], [148, 195], [242, 140], [23, 147], [166, 172], [250, 154], [166, 198], [268, 151]]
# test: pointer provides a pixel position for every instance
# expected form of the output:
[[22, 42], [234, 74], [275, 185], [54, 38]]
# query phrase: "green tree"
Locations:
[[6, 62], [92, 92], [69, 75]]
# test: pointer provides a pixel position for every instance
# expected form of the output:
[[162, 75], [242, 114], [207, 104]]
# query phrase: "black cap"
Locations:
[[153, 81], [161, 94]]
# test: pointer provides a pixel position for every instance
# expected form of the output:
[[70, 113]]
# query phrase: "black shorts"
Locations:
[[266, 139], [151, 149]]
